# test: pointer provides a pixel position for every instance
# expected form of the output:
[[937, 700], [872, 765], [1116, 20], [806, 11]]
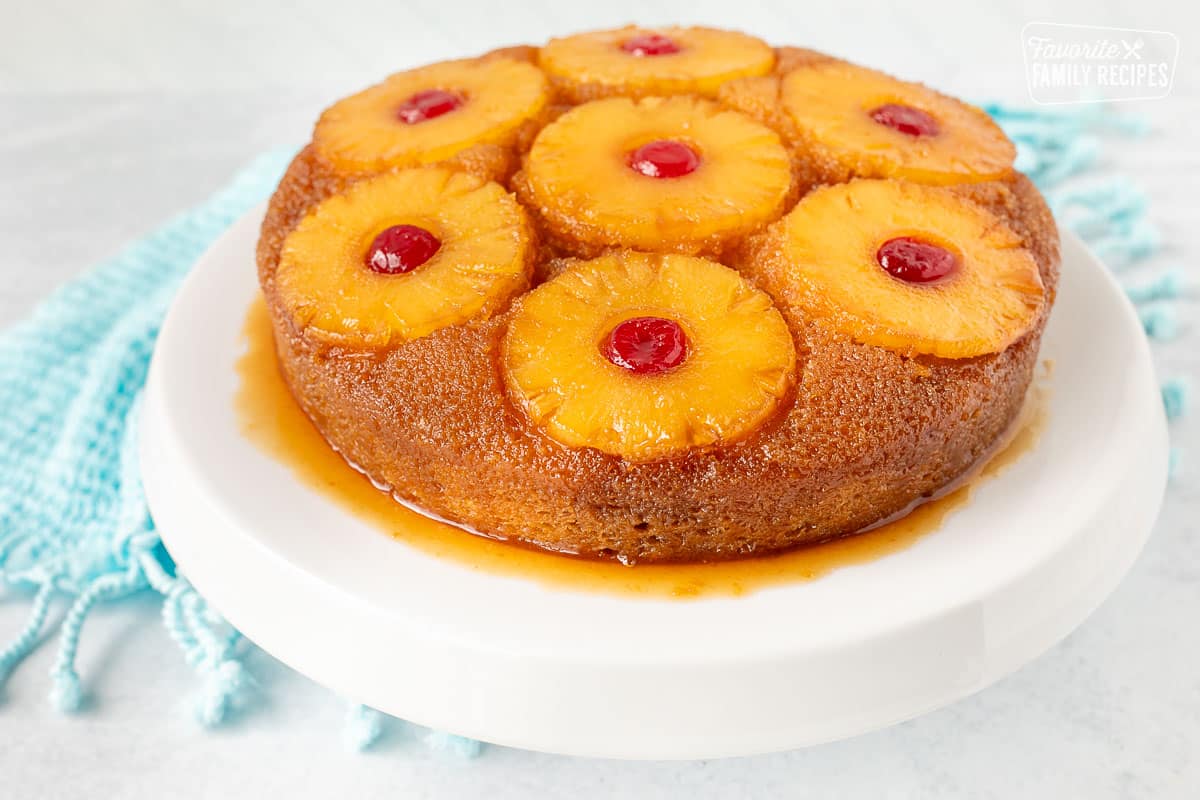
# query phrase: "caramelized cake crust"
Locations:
[[860, 406]]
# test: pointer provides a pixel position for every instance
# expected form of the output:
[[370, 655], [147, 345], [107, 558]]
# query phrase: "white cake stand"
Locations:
[[520, 663]]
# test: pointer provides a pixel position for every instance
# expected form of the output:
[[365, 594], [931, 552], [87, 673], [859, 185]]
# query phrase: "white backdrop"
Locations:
[[114, 115]]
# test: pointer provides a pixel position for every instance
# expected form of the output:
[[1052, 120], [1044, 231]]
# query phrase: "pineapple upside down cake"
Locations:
[[658, 295]]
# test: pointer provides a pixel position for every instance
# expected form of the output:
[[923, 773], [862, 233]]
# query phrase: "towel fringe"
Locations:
[[27, 639], [363, 728]]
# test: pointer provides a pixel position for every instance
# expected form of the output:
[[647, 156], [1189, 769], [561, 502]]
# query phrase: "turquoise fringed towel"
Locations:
[[74, 528], [73, 524]]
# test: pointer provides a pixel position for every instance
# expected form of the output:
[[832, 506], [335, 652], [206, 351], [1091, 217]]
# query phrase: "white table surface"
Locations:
[[117, 114]]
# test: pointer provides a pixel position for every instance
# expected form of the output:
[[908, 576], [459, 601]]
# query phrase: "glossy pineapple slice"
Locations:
[[586, 178], [400, 255], [647, 356], [431, 114], [875, 126], [912, 268], [640, 62]]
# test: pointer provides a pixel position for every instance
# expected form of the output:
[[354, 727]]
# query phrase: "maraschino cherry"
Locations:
[[400, 249], [905, 119], [914, 261], [664, 158], [646, 345], [650, 44], [427, 105]]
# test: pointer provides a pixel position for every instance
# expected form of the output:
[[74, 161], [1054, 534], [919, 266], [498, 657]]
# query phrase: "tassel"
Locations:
[[1168, 286], [67, 694], [457, 746], [25, 641], [364, 727], [1176, 396], [1159, 323]]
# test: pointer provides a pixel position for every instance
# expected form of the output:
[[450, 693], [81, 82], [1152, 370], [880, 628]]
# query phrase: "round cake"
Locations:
[[658, 295]]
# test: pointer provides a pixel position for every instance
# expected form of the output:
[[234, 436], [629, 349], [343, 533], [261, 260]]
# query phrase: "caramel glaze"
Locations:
[[271, 419]]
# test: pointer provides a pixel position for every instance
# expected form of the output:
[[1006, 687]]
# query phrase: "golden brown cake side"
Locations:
[[868, 432]]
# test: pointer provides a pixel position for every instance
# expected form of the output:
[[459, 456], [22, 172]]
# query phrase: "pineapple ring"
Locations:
[[362, 133], [579, 176], [594, 64], [484, 259], [831, 102], [829, 245], [740, 363]]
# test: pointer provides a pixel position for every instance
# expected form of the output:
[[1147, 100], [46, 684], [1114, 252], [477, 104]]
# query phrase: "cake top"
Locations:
[[656, 214]]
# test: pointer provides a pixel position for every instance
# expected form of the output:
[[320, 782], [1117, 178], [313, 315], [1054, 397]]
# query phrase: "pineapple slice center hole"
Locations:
[[914, 260], [400, 249], [428, 104], [650, 44], [664, 158], [646, 345], [905, 119]]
